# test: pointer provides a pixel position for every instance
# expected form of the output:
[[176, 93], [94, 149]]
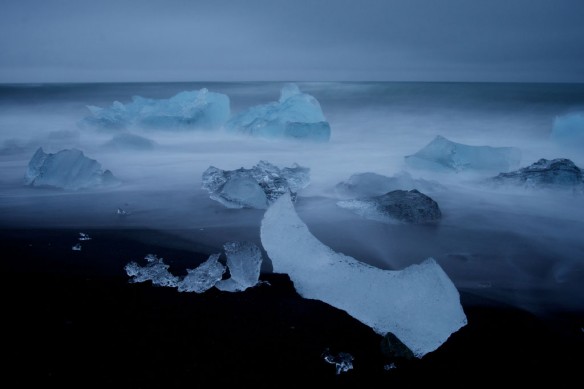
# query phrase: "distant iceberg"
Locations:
[[296, 115], [256, 187], [560, 173], [420, 304], [128, 141], [398, 205], [198, 109], [444, 155], [373, 184], [68, 169], [568, 130]]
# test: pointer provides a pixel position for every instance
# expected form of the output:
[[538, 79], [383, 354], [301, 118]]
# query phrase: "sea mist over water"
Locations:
[[521, 247]]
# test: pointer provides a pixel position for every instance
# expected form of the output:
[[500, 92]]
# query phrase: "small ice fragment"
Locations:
[[121, 212], [343, 361], [155, 270], [204, 277], [389, 366], [84, 236], [76, 247], [244, 260]]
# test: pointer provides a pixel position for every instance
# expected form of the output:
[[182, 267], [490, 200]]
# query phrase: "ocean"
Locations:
[[520, 251]]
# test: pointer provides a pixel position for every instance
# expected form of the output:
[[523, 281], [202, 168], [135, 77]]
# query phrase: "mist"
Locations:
[[517, 246]]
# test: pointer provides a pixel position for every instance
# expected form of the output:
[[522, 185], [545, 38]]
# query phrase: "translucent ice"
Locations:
[[76, 247], [444, 155], [343, 361], [398, 205], [568, 130], [419, 304], [68, 169], [296, 115], [244, 260], [84, 236], [189, 109], [373, 184], [204, 277], [155, 270], [557, 173], [256, 187]]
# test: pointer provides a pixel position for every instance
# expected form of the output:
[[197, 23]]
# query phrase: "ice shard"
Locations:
[[204, 277], [419, 304], [444, 155], [198, 109], [295, 115], [256, 187], [155, 270], [244, 260], [68, 169]]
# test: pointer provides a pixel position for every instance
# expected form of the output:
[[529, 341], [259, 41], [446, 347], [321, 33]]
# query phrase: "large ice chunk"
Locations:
[[204, 277], [398, 205], [199, 109], [256, 187], [568, 130], [444, 155], [560, 173], [155, 270], [244, 260], [419, 304], [296, 115], [68, 169], [373, 184]]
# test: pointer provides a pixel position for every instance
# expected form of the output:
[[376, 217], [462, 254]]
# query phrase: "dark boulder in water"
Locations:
[[401, 205]]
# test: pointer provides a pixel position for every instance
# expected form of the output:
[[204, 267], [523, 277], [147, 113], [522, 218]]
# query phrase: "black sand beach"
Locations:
[[72, 319]]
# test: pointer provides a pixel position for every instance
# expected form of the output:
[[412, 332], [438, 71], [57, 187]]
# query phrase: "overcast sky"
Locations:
[[296, 40]]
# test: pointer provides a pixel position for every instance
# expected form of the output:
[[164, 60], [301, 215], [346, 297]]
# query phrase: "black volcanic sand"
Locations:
[[72, 319]]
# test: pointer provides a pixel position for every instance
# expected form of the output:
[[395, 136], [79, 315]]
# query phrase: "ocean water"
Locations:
[[519, 247]]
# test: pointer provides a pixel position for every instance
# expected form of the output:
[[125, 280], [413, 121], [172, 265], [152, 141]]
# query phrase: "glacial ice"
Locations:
[[204, 277], [296, 115], [560, 173], [343, 361], [568, 130], [444, 155], [256, 187], [398, 205], [198, 109], [373, 184], [76, 247], [84, 236], [419, 304], [155, 270], [68, 169], [244, 260]]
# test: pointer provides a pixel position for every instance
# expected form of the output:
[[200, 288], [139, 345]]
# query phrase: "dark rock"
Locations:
[[555, 173]]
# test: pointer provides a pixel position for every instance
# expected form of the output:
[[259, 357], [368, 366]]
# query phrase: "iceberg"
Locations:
[[560, 173], [295, 115], [155, 270], [68, 169], [198, 109], [373, 184], [398, 205], [204, 277], [127, 141], [444, 155], [419, 304], [568, 130], [256, 187], [244, 260]]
